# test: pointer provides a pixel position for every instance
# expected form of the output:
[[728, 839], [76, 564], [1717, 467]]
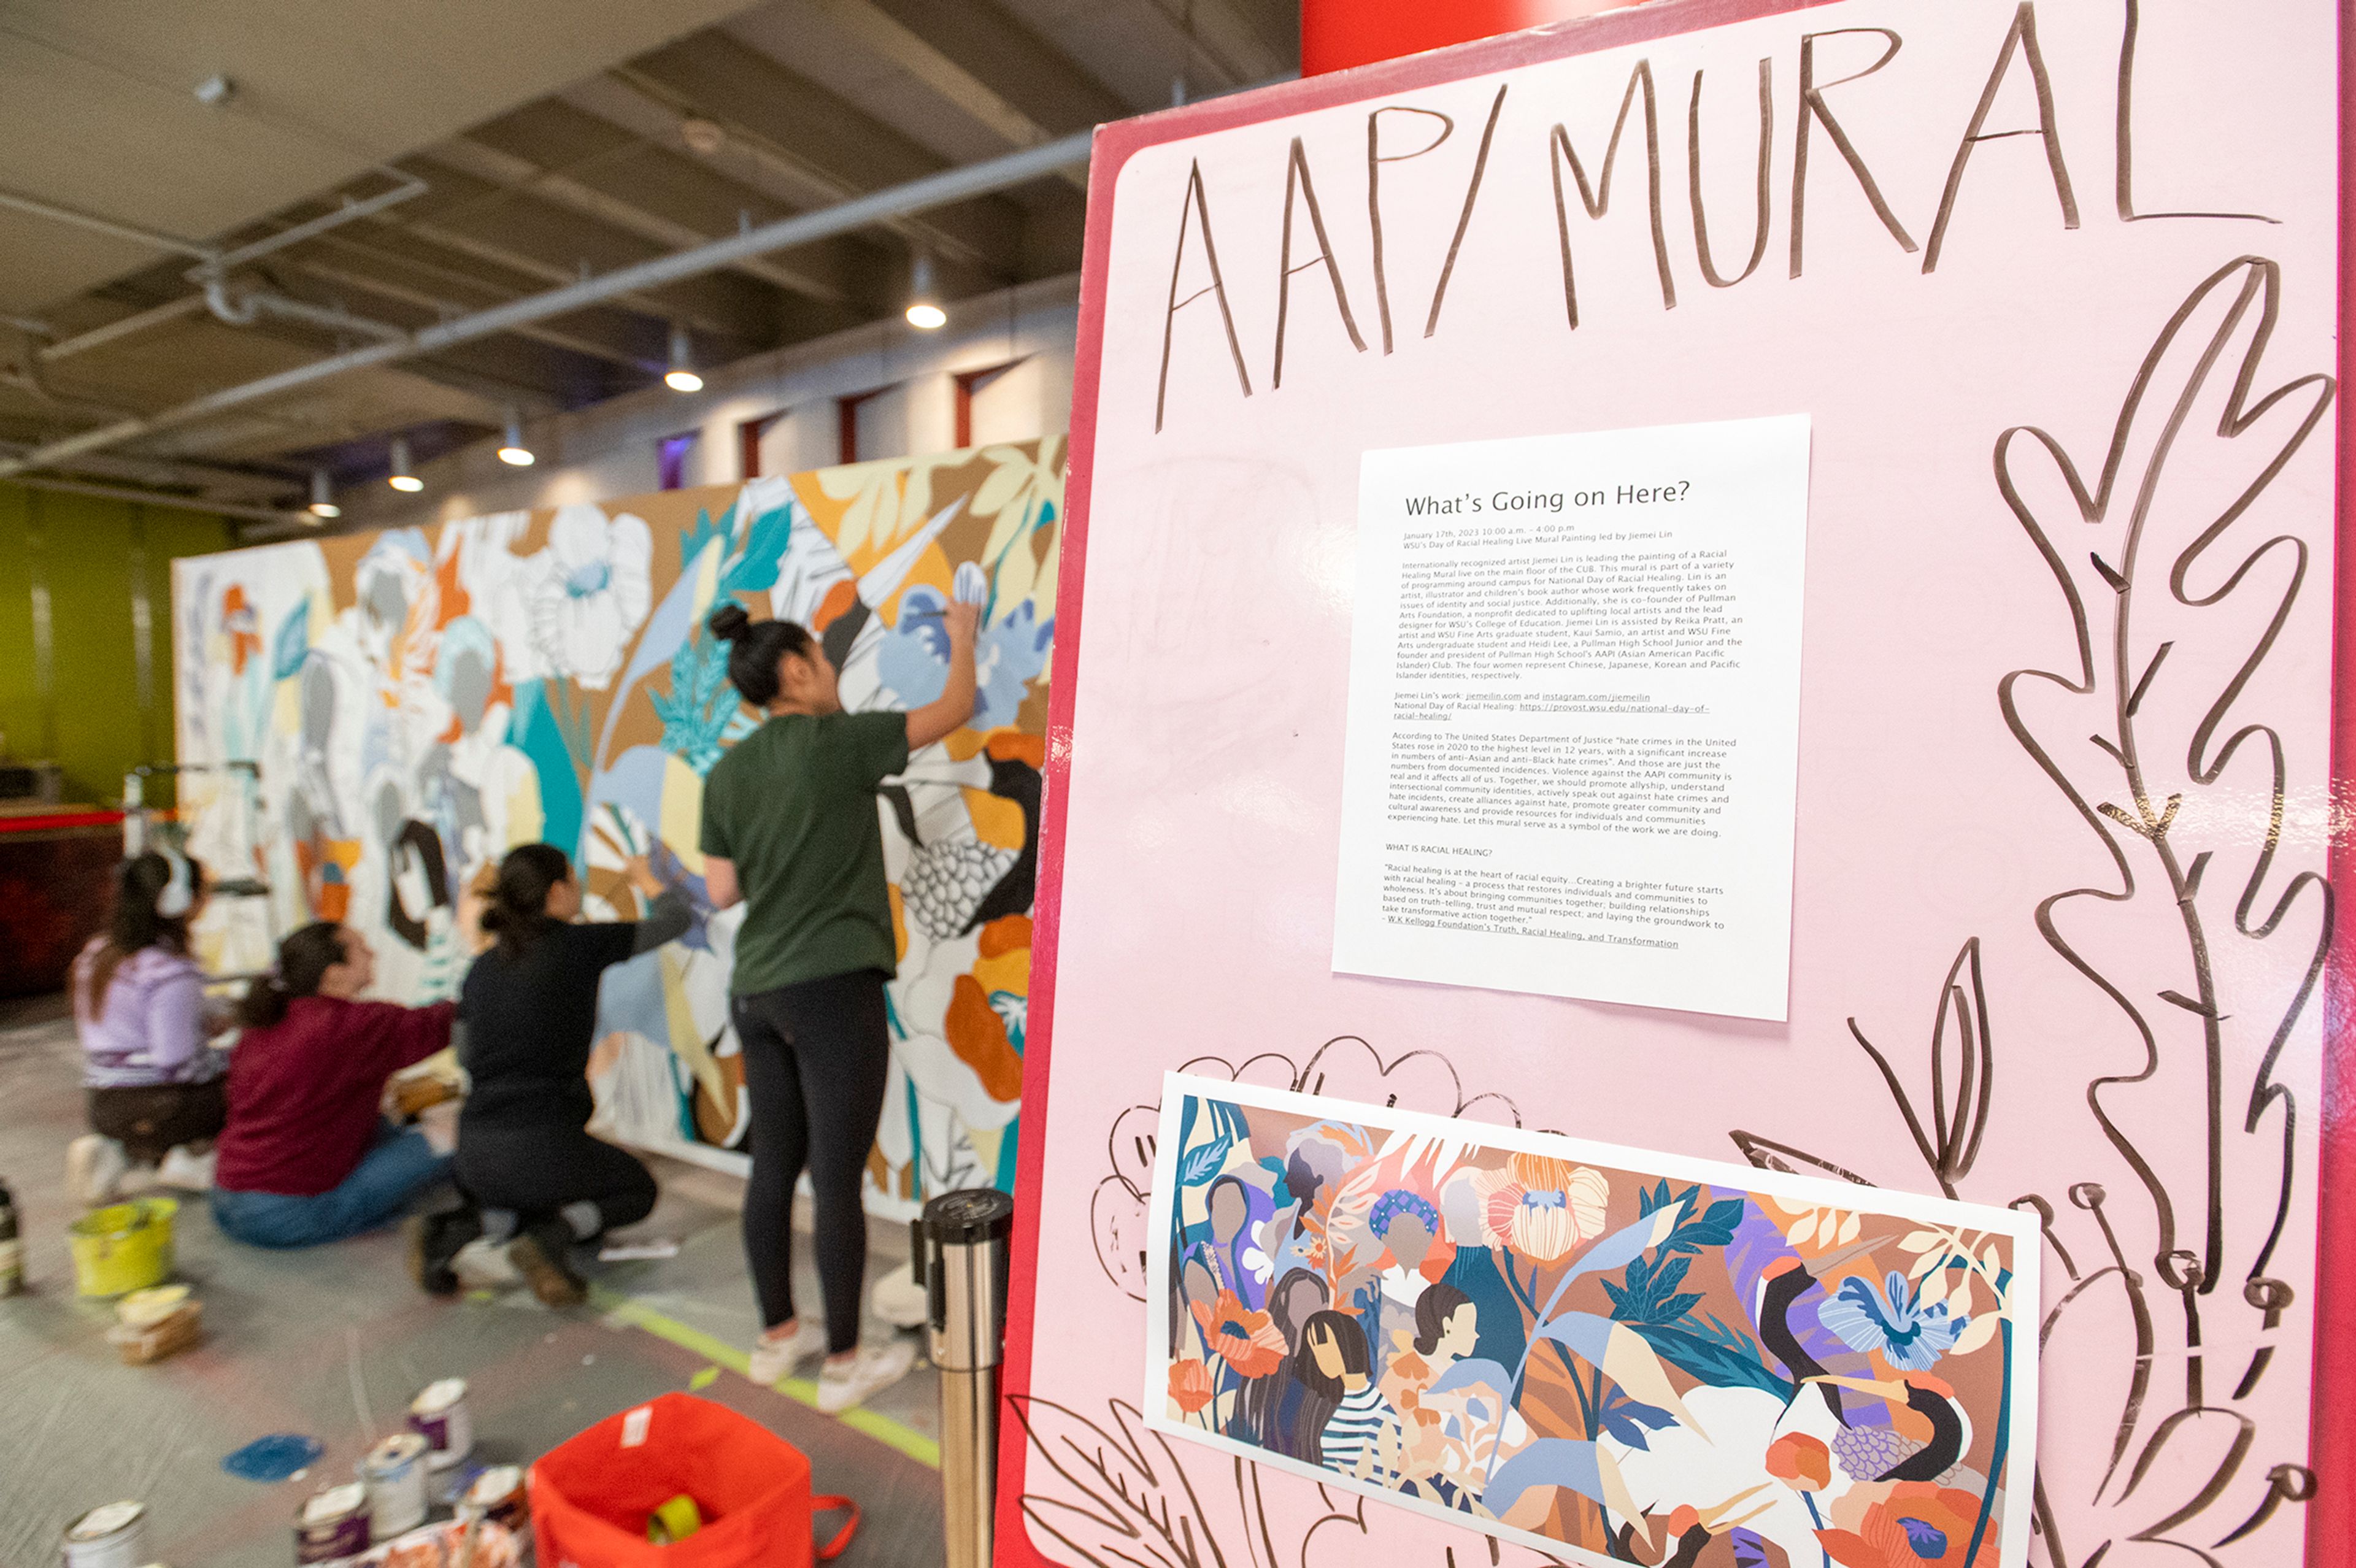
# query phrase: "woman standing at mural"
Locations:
[[790, 828], [528, 1012], [154, 1087], [305, 1156]]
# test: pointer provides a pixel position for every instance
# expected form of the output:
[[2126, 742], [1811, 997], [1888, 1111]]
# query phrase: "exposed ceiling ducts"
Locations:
[[529, 210]]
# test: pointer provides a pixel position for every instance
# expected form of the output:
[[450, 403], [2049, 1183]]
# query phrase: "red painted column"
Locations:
[[1338, 34]]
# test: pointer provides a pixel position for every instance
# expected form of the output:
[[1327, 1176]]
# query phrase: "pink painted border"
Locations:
[[2331, 1515]]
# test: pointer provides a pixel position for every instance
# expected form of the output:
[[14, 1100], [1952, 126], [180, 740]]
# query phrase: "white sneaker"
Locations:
[[185, 1172], [773, 1361], [899, 1300], [95, 1167], [845, 1383]]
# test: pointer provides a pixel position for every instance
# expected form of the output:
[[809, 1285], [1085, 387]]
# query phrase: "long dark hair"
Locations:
[[303, 959], [519, 907], [140, 884], [1433, 1309], [1321, 1396], [1264, 1398], [755, 648]]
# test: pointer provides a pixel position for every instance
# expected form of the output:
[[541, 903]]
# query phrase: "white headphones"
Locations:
[[180, 891]]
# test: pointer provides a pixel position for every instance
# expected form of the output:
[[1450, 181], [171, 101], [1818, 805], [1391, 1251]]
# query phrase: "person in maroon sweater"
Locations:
[[306, 1156]]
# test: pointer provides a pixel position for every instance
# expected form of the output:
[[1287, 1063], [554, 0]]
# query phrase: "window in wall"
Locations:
[[873, 424], [999, 402], [672, 455], [765, 445]]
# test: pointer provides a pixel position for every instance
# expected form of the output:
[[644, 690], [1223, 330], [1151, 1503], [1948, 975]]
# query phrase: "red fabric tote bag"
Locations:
[[592, 1494]]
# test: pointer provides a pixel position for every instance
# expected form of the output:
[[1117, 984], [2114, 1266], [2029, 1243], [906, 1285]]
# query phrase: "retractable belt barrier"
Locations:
[[961, 1261]]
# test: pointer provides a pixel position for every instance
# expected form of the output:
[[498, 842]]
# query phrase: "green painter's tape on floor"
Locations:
[[883, 1429]]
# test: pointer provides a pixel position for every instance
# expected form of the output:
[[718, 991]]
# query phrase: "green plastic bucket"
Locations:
[[123, 1247]]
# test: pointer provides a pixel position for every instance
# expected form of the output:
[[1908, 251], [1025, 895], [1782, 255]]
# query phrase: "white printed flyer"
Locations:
[[1573, 745]]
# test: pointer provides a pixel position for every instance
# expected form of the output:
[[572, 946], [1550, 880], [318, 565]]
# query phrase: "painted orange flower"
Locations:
[[1247, 1340], [1917, 1522], [1540, 1206], [1801, 1460], [1190, 1385]]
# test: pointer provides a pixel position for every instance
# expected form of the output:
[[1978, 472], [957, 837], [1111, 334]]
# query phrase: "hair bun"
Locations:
[[728, 623]]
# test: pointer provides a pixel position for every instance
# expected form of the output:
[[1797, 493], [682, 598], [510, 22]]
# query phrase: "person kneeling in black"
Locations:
[[528, 1012]]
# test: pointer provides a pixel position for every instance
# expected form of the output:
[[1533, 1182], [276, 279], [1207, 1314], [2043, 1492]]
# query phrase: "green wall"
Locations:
[[89, 558]]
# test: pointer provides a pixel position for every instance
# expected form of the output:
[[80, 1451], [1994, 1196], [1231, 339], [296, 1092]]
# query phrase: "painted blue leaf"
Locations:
[[290, 643], [1620, 1247], [1699, 1354], [1583, 1333], [1714, 1227], [1548, 1462], [1622, 1423], [1629, 1421], [1472, 1370], [691, 542], [755, 569], [1204, 1161]]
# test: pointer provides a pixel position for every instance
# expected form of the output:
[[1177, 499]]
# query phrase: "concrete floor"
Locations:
[[297, 1341]]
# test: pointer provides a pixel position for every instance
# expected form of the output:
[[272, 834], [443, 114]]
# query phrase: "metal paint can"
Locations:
[[333, 1524], [394, 1471], [112, 1536], [499, 1496], [439, 1414]]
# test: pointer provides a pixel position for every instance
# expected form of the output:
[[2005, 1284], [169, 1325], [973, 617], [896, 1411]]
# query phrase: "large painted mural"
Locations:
[[418, 700]]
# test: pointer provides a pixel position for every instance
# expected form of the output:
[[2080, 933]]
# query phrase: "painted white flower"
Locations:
[[594, 587]]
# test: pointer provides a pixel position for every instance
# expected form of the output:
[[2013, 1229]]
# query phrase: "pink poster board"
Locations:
[[2063, 304]]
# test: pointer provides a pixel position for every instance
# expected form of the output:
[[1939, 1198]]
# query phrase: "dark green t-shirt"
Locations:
[[793, 805]]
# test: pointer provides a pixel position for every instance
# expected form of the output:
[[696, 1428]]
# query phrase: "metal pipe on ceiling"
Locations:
[[915, 196], [211, 264], [153, 238], [245, 309], [159, 499], [350, 209], [99, 336]]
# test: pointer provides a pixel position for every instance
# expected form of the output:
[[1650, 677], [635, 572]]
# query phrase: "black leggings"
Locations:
[[817, 1056], [537, 1171]]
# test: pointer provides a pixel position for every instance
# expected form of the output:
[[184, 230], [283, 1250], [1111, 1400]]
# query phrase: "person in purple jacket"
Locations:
[[156, 1086]]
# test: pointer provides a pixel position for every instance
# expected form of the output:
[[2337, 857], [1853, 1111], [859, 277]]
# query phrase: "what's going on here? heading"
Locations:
[[1469, 503]]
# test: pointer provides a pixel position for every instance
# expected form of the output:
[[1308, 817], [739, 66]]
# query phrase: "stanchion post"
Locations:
[[963, 1261]]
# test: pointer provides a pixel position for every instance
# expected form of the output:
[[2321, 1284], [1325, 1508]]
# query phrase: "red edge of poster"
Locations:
[[2331, 1513]]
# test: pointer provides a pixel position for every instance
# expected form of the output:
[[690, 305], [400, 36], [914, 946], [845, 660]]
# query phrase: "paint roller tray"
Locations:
[[142, 1344]]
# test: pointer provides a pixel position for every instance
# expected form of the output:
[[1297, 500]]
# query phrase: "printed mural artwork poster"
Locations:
[[419, 700], [2058, 288], [1511, 1330]]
